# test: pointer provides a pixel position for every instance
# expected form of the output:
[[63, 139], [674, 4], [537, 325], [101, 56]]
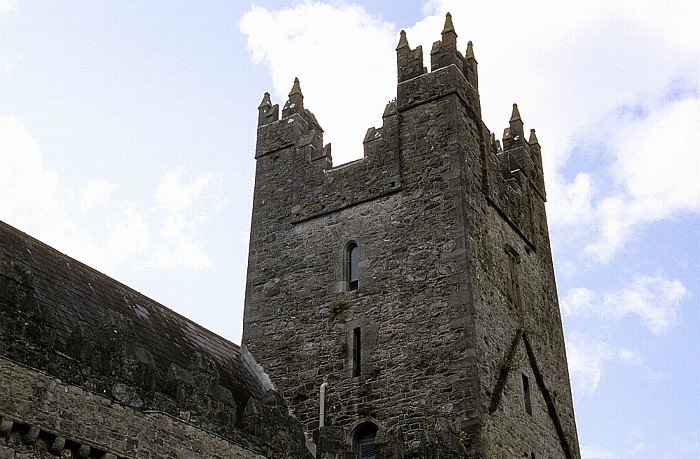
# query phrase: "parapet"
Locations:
[[444, 55], [514, 180]]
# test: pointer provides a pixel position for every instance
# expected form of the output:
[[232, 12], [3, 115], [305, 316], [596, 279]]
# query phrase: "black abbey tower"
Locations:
[[405, 303]]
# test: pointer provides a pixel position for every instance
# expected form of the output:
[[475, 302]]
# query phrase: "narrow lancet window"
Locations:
[[357, 352], [526, 395], [353, 265], [514, 287]]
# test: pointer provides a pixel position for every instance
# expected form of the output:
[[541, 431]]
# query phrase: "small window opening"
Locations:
[[353, 268], [514, 290], [357, 352], [365, 441], [526, 395]]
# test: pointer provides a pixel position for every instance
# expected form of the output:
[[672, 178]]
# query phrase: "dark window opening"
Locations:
[[356, 352], [364, 441], [514, 287], [526, 395], [353, 268]]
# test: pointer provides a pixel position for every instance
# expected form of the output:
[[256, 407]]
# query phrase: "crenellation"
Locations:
[[295, 103], [427, 345], [409, 61], [444, 52], [267, 113]]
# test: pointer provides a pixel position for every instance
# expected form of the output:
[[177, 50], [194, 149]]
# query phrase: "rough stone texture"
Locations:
[[48, 418], [86, 334], [456, 299]]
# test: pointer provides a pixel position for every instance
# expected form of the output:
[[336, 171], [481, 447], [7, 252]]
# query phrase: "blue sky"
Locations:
[[127, 133]]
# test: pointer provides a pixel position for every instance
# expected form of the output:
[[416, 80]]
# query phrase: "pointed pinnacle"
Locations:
[[403, 41], [516, 114], [449, 27], [296, 89], [265, 101], [470, 50], [533, 138]]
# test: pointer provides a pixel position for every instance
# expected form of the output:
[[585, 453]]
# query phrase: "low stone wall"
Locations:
[[41, 415]]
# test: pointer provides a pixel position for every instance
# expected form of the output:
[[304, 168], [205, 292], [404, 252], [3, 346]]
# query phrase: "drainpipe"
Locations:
[[322, 406]]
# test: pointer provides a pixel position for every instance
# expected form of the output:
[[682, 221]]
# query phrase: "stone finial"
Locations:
[[267, 112], [409, 62], [295, 104], [517, 132], [470, 66], [449, 27], [403, 41], [266, 102], [296, 88], [533, 138], [515, 116], [470, 50]]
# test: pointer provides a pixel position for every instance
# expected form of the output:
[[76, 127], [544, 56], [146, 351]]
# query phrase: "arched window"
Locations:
[[352, 270], [365, 446]]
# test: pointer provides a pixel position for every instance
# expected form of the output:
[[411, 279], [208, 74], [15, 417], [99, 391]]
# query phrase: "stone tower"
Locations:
[[405, 303]]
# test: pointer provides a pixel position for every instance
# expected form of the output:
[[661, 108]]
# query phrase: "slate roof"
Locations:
[[77, 294]]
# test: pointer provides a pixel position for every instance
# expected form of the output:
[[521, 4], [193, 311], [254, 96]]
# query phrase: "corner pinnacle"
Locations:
[[449, 27], [296, 89], [533, 138], [266, 102], [470, 50], [403, 41], [516, 114]]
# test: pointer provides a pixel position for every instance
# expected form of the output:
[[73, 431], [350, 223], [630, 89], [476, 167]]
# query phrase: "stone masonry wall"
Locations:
[[462, 351], [44, 417]]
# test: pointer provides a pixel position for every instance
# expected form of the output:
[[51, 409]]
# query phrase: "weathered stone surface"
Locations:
[[456, 304], [105, 352], [93, 426]]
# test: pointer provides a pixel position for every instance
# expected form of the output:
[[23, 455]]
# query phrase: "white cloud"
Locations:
[[88, 222], [601, 59], [29, 189], [654, 173], [177, 244], [654, 299], [8, 5], [175, 195], [344, 59], [96, 193], [587, 357], [593, 452]]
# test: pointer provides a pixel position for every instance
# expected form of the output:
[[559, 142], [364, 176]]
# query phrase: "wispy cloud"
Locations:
[[96, 194], [619, 91], [587, 358], [313, 41], [89, 223], [177, 244], [8, 5], [655, 300], [652, 175], [592, 452]]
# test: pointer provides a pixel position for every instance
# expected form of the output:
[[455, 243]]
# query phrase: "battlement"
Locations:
[[462, 79], [294, 156], [386, 293]]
